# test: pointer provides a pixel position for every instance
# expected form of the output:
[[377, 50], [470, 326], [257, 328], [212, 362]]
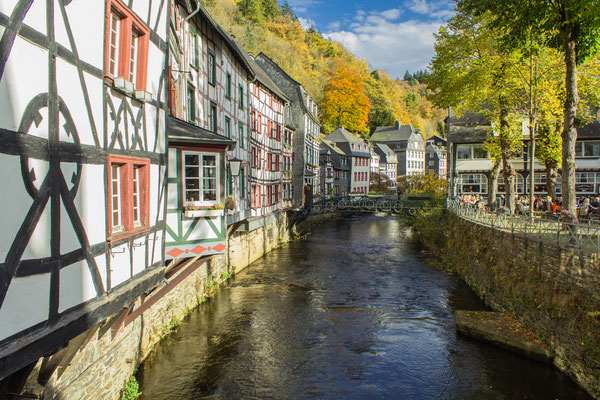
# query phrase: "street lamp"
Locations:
[[234, 166]]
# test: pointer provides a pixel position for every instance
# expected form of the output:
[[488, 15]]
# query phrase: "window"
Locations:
[[229, 182], [190, 102], [194, 56], [211, 67], [241, 134], [212, 118], [242, 183], [241, 96], [256, 158], [479, 151], [200, 178], [269, 195], [463, 152], [228, 86], [472, 183], [592, 149], [128, 193], [256, 194], [269, 166], [126, 45], [227, 127]]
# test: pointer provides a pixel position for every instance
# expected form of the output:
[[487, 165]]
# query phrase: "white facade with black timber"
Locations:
[[82, 149]]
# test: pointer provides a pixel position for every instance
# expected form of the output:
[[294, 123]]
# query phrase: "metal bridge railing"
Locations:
[[389, 204], [582, 236]]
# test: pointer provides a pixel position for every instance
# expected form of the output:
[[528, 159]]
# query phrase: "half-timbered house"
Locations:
[[208, 133], [83, 158], [266, 143], [287, 153], [358, 154], [304, 117]]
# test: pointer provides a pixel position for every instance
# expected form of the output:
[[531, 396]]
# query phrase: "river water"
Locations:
[[353, 312]]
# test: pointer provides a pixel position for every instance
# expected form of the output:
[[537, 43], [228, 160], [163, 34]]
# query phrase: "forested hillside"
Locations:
[[347, 92]]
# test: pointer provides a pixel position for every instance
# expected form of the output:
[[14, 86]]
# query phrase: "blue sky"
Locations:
[[394, 35]]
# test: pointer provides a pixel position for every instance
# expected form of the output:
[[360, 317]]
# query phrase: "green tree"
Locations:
[[472, 72], [571, 26], [287, 11]]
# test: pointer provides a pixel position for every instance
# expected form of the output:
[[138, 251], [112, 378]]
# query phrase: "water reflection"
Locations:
[[352, 312]]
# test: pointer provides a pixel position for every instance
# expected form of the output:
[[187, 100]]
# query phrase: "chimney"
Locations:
[[397, 124]]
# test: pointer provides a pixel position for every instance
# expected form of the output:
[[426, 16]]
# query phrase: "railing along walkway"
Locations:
[[582, 236]]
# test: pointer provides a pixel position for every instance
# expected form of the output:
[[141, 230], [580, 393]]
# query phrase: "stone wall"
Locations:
[[553, 290], [101, 367]]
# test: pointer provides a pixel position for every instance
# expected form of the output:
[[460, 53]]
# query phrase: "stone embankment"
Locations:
[[112, 351], [502, 330], [553, 291]]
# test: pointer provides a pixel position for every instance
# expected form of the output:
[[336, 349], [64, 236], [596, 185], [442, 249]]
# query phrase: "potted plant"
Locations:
[[230, 203]]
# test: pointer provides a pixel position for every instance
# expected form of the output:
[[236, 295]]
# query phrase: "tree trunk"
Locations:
[[493, 183], [551, 177], [569, 134], [509, 184], [507, 171]]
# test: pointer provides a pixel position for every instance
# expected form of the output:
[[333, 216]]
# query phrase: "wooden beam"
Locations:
[[62, 359], [191, 267], [43, 340]]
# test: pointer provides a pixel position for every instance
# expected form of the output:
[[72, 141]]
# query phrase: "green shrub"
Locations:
[[131, 389]]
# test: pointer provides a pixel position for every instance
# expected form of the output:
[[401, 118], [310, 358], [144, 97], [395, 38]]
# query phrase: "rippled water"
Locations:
[[352, 313]]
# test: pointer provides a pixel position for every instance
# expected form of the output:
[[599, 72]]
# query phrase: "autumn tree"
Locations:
[[570, 26], [470, 72], [344, 100]]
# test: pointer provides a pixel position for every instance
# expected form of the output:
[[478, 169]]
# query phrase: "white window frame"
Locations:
[[116, 199], [201, 201]]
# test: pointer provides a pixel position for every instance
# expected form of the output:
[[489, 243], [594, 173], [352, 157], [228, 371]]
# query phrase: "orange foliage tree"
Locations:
[[344, 100]]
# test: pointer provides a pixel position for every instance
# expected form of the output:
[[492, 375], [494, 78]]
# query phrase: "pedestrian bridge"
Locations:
[[385, 204]]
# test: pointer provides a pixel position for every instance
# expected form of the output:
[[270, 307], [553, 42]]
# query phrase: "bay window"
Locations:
[[201, 180]]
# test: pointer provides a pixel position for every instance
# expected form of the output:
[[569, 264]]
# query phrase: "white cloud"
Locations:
[[334, 26], [437, 9], [419, 6], [391, 14], [306, 23], [395, 47], [390, 44]]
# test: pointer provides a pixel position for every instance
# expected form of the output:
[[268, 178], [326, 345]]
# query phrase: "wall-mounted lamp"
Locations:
[[234, 166]]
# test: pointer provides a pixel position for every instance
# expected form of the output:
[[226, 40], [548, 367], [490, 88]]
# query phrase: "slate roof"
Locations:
[[393, 133], [179, 130], [437, 138], [343, 138], [589, 131], [327, 145], [432, 148], [241, 55], [469, 128], [385, 153], [299, 93], [260, 74]]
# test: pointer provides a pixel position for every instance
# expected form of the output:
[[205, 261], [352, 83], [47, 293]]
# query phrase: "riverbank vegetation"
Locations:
[[371, 97]]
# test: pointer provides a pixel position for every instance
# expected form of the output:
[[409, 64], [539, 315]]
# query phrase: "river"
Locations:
[[352, 312]]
